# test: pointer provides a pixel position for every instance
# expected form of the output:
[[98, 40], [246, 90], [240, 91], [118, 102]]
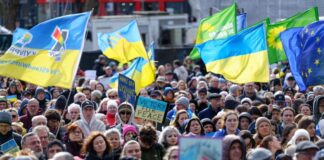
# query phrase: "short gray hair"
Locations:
[[111, 131], [35, 118], [24, 138], [72, 106], [38, 128], [63, 155]]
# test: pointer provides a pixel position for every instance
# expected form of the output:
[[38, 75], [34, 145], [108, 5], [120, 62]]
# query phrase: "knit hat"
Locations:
[[60, 103], [260, 120], [5, 117], [12, 84], [97, 94], [245, 115], [182, 100], [246, 99], [39, 90], [260, 154], [3, 99], [167, 90], [112, 103], [305, 145], [231, 104], [127, 128]]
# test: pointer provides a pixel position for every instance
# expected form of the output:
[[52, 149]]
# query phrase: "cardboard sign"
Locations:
[[10, 147], [193, 148], [126, 89], [105, 81], [90, 74], [150, 109]]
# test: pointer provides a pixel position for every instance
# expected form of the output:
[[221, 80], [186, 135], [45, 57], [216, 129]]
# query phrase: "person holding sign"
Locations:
[[6, 132]]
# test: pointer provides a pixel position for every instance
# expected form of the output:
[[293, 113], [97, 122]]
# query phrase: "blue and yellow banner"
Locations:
[[49, 53], [122, 45], [141, 71], [240, 58]]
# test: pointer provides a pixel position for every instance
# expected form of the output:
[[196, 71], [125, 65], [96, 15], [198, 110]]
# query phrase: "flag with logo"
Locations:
[[219, 25], [49, 53], [238, 58], [275, 49], [305, 52], [123, 45]]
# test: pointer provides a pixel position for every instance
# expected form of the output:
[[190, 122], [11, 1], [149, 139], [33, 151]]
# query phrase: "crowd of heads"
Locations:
[[253, 120]]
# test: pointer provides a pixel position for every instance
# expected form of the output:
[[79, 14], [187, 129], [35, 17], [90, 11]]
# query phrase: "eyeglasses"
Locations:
[[112, 96], [125, 112]]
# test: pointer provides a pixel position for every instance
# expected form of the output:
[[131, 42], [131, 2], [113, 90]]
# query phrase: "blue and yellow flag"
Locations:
[[305, 52], [151, 55], [122, 45], [240, 58], [241, 21], [49, 53], [140, 71]]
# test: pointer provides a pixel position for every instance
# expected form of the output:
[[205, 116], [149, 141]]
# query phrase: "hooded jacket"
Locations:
[[228, 141], [131, 119], [316, 114], [94, 125]]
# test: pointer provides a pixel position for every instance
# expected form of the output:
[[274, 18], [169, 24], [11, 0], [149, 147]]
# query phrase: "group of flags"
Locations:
[[49, 53], [243, 54]]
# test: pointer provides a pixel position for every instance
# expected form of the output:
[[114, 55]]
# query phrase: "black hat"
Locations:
[[275, 82], [290, 78], [5, 117], [305, 145], [289, 89], [279, 97], [214, 95], [87, 104], [245, 115], [231, 104], [202, 90], [206, 121], [60, 102]]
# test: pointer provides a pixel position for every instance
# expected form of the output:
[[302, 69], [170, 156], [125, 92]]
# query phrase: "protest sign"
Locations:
[[105, 81], [12, 98], [10, 147], [90, 74], [150, 109], [193, 148], [126, 89]]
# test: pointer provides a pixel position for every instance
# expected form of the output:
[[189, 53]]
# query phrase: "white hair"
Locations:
[[77, 95], [38, 128], [111, 131], [73, 106], [35, 118]]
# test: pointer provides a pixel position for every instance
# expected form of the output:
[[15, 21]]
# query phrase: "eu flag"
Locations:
[[304, 49]]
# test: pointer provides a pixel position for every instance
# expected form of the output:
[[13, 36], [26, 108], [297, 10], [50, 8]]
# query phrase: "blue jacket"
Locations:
[[172, 113], [222, 133], [207, 113]]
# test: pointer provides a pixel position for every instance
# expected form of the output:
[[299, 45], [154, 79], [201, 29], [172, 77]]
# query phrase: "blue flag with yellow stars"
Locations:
[[304, 49]]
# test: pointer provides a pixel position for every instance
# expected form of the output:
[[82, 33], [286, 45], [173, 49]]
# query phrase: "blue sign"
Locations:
[[126, 89], [150, 109]]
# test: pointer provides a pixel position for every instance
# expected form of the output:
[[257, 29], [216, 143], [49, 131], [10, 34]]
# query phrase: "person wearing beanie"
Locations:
[[60, 104], [181, 103], [40, 96], [299, 136], [231, 104], [6, 132], [112, 107], [168, 94], [88, 121], [125, 115], [129, 133], [3, 103], [208, 125], [213, 108], [244, 121], [263, 129], [246, 101], [260, 154]]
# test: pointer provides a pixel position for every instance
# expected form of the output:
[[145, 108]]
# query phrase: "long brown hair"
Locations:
[[175, 123], [87, 146]]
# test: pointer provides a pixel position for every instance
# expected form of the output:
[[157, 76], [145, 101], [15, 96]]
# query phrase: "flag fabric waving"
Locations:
[[304, 50], [122, 45], [49, 53], [17, 34], [140, 71], [275, 49], [219, 25], [238, 58]]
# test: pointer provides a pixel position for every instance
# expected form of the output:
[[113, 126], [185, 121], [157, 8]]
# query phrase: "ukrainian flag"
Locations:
[[122, 45], [151, 55], [49, 53], [240, 58], [140, 71]]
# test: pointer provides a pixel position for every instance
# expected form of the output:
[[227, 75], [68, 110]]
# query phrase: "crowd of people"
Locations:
[[254, 120]]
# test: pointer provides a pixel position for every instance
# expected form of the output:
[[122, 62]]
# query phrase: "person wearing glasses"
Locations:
[[125, 115], [6, 132], [88, 121]]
